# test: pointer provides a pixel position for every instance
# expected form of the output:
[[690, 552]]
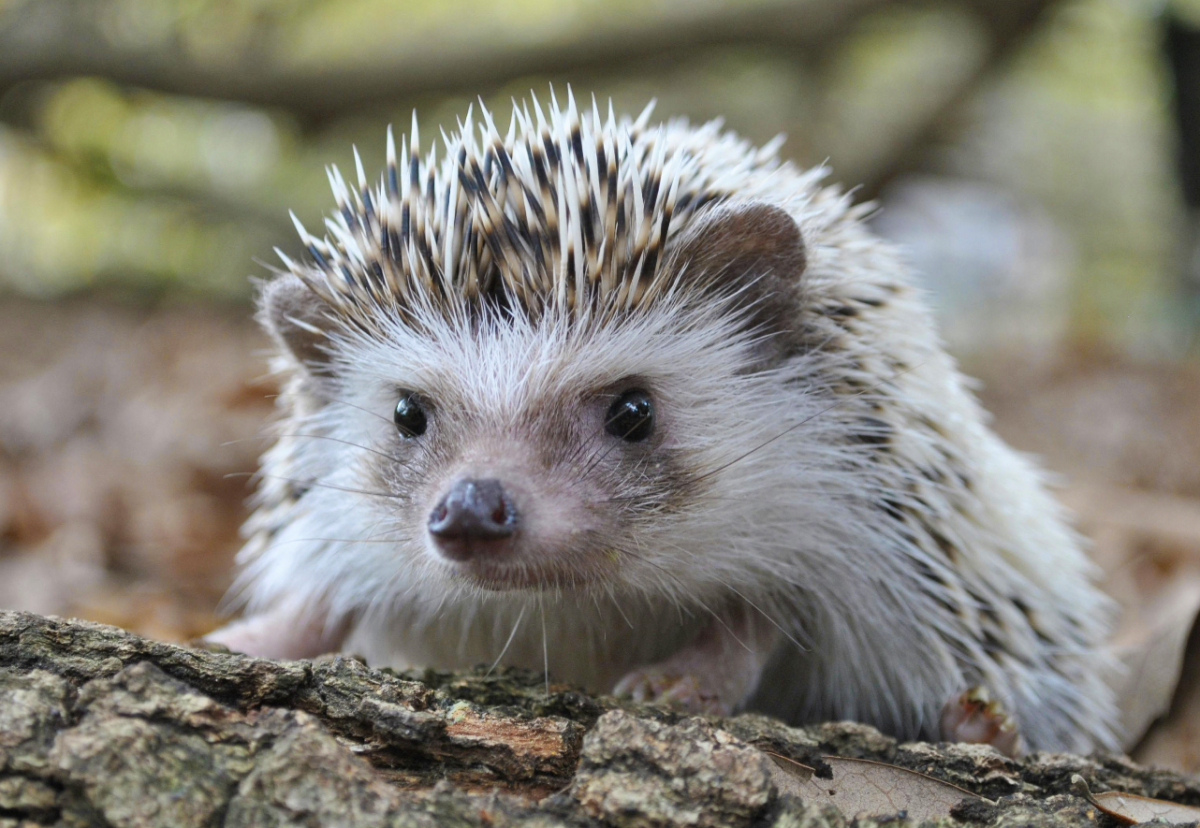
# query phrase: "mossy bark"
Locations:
[[102, 728]]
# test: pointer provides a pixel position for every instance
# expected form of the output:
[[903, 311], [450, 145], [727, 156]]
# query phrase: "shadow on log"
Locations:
[[102, 728]]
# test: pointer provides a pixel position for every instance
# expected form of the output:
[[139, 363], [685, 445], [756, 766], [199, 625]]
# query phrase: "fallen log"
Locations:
[[99, 727]]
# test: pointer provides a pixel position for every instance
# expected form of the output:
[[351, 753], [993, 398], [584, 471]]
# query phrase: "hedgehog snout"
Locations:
[[475, 517]]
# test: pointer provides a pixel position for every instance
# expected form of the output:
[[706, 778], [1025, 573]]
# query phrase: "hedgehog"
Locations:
[[650, 409]]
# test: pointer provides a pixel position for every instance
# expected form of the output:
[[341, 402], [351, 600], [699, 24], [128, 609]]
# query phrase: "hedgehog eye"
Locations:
[[410, 416], [631, 417]]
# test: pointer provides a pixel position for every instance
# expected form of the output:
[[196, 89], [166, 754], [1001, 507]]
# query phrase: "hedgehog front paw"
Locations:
[[976, 718], [662, 685]]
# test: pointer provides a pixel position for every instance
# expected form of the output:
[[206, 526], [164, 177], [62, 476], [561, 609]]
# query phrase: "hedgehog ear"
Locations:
[[298, 320], [750, 250], [739, 243]]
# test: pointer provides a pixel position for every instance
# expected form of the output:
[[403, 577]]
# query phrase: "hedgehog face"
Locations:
[[530, 360], [515, 450], [528, 453]]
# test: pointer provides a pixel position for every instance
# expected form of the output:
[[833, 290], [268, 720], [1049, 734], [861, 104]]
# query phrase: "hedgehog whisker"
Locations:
[[753, 605], [391, 423], [509, 642], [617, 605], [342, 540], [586, 444], [316, 483], [804, 422], [713, 498], [582, 447], [340, 401], [703, 606], [545, 644], [600, 459], [383, 454], [672, 578], [260, 438]]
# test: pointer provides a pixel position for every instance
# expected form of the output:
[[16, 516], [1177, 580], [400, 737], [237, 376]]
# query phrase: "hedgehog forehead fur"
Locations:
[[570, 214]]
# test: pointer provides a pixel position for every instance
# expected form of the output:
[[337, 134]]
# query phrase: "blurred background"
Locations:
[[1038, 159]]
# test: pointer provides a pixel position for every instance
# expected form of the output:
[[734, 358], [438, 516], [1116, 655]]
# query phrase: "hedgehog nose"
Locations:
[[473, 510]]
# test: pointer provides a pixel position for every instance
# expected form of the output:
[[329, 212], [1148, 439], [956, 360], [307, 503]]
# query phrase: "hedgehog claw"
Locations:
[[656, 685], [976, 718]]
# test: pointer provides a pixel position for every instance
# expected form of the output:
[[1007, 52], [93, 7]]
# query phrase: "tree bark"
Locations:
[[99, 727]]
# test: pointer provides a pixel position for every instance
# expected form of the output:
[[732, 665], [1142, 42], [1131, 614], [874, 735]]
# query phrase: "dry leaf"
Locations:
[[794, 770], [863, 788], [1150, 647], [1149, 546], [1131, 809], [1143, 809], [1174, 740]]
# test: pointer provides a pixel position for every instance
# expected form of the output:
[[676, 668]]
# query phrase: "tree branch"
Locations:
[[53, 39]]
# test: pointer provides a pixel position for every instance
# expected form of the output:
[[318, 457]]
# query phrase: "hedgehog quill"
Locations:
[[648, 406]]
